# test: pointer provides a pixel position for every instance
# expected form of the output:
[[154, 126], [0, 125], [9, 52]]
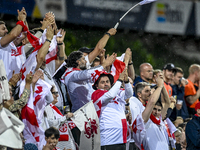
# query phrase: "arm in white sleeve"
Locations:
[[84, 74], [128, 91], [112, 93]]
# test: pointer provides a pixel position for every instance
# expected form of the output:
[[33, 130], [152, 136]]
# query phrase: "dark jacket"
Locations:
[[193, 134]]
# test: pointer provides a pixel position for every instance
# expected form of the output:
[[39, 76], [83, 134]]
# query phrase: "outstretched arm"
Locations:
[[60, 49], [101, 44], [15, 31], [44, 49], [153, 99]]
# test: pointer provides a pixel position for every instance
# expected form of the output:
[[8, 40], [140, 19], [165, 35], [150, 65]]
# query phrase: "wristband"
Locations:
[[60, 43], [130, 63], [24, 27], [41, 30], [48, 40], [108, 34], [21, 23], [127, 104], [126, 81], [120, 80]]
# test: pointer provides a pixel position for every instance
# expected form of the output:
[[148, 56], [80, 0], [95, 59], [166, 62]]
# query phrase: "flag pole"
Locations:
[[117, 24]]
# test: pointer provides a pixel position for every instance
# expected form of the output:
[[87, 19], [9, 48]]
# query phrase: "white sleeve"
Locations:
[[112, 93], [128, 91], [83, 74]]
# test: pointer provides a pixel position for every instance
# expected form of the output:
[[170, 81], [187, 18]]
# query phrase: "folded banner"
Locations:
[[4, 88], [12, 127], [87, 121]]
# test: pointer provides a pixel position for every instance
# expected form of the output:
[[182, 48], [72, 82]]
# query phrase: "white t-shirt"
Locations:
[[7, 54], [136, 108], [79, 86], [155, 138], [113, 124]]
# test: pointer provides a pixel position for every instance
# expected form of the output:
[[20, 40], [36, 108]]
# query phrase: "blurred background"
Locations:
[[166, 31]]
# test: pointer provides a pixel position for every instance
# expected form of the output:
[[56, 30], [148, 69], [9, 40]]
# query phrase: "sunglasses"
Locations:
[[55, 93]]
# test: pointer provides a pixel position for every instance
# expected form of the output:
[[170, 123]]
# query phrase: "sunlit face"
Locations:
[[145, 93], [168, 74], [82, 63], [177, 78], [52, 141], [3, 30], [104, 83], [157, 111], [147, 72]]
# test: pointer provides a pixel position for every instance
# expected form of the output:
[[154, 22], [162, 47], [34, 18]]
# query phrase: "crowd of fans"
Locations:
[[156, 110]]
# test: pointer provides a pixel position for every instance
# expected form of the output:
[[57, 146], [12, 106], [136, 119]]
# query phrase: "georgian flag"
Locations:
[[66, 139], [32, 113], [20, 55], [139, 131], [87, 121], [118, 67], [146, 2], [31, 63]]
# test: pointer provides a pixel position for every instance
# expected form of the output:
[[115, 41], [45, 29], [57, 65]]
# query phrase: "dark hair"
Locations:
[[73, 57], [158, 103], [182, 125], [139, 87], [111, 78], [52, 131], [2, 22], [177, 69]]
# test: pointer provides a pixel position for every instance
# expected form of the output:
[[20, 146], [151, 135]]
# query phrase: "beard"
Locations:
[[83, 68]]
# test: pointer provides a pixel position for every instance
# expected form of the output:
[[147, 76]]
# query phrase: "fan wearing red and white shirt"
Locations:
[[109, 102], [7, 47]]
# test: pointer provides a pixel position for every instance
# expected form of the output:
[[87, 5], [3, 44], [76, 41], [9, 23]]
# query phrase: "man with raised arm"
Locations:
[[78, 80], [109, 101], [7, 47]]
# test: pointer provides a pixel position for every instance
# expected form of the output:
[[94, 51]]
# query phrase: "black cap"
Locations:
[[86, 49], [169, 66]]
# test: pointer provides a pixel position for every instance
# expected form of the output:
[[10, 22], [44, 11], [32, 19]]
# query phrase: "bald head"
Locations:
[[146, 71]]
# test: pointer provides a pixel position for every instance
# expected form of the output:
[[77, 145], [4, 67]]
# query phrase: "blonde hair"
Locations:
[[194, 68]]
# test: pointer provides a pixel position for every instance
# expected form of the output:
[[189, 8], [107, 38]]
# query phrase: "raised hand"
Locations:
[[38, 74], [128, 56], [112, 31], [29, 78], [22, 14], [15, 78], [159, 81], [109, 60], [50, 33], [60, 39]]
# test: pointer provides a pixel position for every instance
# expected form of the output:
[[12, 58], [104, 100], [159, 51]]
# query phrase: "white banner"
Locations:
[[4, 88], [58, 7], [87, 121], [169, 17]]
